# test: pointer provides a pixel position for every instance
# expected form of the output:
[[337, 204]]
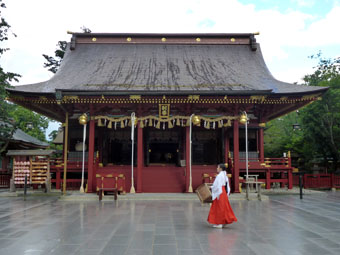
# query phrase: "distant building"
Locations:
[[20, 141]]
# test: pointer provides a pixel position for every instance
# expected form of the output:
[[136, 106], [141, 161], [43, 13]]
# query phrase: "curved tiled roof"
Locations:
[[218, 68]]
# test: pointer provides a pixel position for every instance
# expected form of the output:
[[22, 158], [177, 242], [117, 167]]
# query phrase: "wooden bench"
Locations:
[[109, 183], [102, 190], [257, 185]]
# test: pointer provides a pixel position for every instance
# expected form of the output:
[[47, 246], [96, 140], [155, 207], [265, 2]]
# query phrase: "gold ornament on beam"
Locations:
[[122, 124], [243, 119], [196, 120], [83, 119], [110, 124], [150, 123], [100, 123], [170, 124], [158, 126], [178, 123]]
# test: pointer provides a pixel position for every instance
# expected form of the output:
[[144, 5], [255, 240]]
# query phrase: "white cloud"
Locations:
[[304, 3], [40, 24]]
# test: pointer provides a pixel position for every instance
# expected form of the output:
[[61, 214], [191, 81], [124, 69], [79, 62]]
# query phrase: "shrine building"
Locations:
[[165, 107]]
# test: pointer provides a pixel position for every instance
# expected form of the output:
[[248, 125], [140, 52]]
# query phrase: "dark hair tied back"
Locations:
[[223, 166]]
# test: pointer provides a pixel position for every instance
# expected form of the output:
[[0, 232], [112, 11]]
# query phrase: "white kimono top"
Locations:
[[220, 180]]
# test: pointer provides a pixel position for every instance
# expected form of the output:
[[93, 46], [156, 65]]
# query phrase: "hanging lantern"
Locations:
[[196, 120], [83, 119], [243, 119]]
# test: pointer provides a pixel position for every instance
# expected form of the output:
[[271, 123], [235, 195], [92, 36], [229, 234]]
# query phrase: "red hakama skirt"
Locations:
[[221, 211]]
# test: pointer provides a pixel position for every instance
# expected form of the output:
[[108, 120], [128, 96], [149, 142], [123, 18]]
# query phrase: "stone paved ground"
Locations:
[[284, 224]]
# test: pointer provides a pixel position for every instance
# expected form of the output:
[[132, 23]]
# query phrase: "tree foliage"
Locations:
[[319, 136], [53, 63], [7, 126], [22, 116], [321, 120]]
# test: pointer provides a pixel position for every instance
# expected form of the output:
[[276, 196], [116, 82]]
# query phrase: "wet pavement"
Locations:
[[284, 224]]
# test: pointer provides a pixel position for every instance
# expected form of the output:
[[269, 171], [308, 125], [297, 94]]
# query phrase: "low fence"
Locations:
[[5, 180], [318, 181]]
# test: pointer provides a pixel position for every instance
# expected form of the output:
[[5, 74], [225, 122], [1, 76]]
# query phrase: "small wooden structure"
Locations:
[[33, 164]]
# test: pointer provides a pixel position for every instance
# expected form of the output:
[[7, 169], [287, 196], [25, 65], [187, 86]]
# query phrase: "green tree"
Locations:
[[281, 136], [321, 120], [319, 136], [53, 63], [39, 123], [7, 126]]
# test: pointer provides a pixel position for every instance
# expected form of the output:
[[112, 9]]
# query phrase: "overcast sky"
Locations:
[[290, 30]]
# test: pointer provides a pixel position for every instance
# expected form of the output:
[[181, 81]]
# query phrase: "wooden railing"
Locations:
[[321, 181], [4, 180]]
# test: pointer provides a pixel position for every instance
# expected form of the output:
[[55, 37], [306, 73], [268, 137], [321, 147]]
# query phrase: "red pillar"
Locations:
[[187, 158], [261, 145], [90, 168], [236, 172], [267, 178], [290, 179], [57, 184], [140, 158], [226, 146]]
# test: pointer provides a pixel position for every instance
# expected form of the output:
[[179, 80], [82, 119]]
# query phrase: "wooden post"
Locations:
[[261, 145], [57, 184], [267, 178], [140, 157], [236, 172], [65, 151], [90, 159], [226, 145], [290, 179], [187, 158], [48, 174]]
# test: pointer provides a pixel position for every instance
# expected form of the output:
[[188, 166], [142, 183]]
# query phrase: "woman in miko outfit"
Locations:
[[221, 213]]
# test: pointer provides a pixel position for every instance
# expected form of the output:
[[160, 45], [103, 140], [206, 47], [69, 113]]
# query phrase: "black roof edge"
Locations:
[[321, 90], [79, 34], [18, 92], [169, 93]]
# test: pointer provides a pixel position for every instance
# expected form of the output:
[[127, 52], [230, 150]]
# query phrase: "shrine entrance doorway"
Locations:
[[164, 151]]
